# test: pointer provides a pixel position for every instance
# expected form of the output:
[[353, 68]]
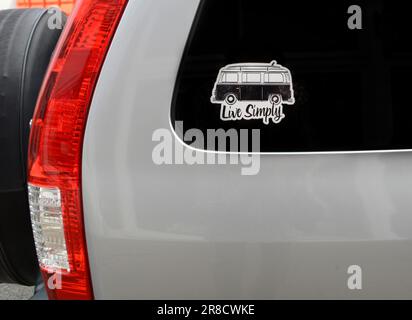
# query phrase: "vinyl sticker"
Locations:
[[253, 91]]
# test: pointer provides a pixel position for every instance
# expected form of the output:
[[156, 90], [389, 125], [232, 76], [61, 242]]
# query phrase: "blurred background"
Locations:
[[65, 5]]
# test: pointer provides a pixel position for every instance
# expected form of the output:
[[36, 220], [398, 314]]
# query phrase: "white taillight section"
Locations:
[[48, 228]]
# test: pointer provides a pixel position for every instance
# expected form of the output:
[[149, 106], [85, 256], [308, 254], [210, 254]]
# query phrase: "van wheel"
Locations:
[[26, 45], [275, 99], [231, 99]]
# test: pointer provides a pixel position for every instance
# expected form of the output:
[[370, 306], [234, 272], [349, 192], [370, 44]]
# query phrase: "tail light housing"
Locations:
[[55, 149]]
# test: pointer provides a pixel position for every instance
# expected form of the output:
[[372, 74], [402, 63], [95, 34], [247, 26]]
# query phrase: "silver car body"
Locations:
[[206, 231]]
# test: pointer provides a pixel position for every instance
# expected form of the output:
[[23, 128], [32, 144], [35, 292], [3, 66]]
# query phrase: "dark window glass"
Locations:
[[351, 86]]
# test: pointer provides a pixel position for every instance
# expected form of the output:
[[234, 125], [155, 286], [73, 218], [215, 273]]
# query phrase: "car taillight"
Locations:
[[65, 5], [55, 150]]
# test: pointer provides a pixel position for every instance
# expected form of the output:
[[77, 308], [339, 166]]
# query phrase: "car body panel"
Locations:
[[206, 231]]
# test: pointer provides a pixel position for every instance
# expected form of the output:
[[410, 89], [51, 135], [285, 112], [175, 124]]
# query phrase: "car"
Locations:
[[130, 197], [253, 81]]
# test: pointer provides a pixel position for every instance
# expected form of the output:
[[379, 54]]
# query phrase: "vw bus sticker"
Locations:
[[253, 91]]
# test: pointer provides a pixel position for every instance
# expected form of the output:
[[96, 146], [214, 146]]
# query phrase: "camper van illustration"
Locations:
[[253, 82]]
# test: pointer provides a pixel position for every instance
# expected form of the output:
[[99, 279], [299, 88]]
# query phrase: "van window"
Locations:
[[274, 77], [250, 77], [230, 77], [351, 87]]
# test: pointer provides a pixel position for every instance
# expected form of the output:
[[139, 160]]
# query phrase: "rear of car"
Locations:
[[332, 188]]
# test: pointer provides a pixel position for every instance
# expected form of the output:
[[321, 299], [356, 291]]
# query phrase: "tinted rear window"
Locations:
[[352, 87]]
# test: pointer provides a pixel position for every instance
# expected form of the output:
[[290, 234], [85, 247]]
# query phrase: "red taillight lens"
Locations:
[[56, 141]]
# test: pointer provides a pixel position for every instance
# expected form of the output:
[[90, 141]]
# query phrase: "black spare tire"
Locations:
[[27, 40]]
